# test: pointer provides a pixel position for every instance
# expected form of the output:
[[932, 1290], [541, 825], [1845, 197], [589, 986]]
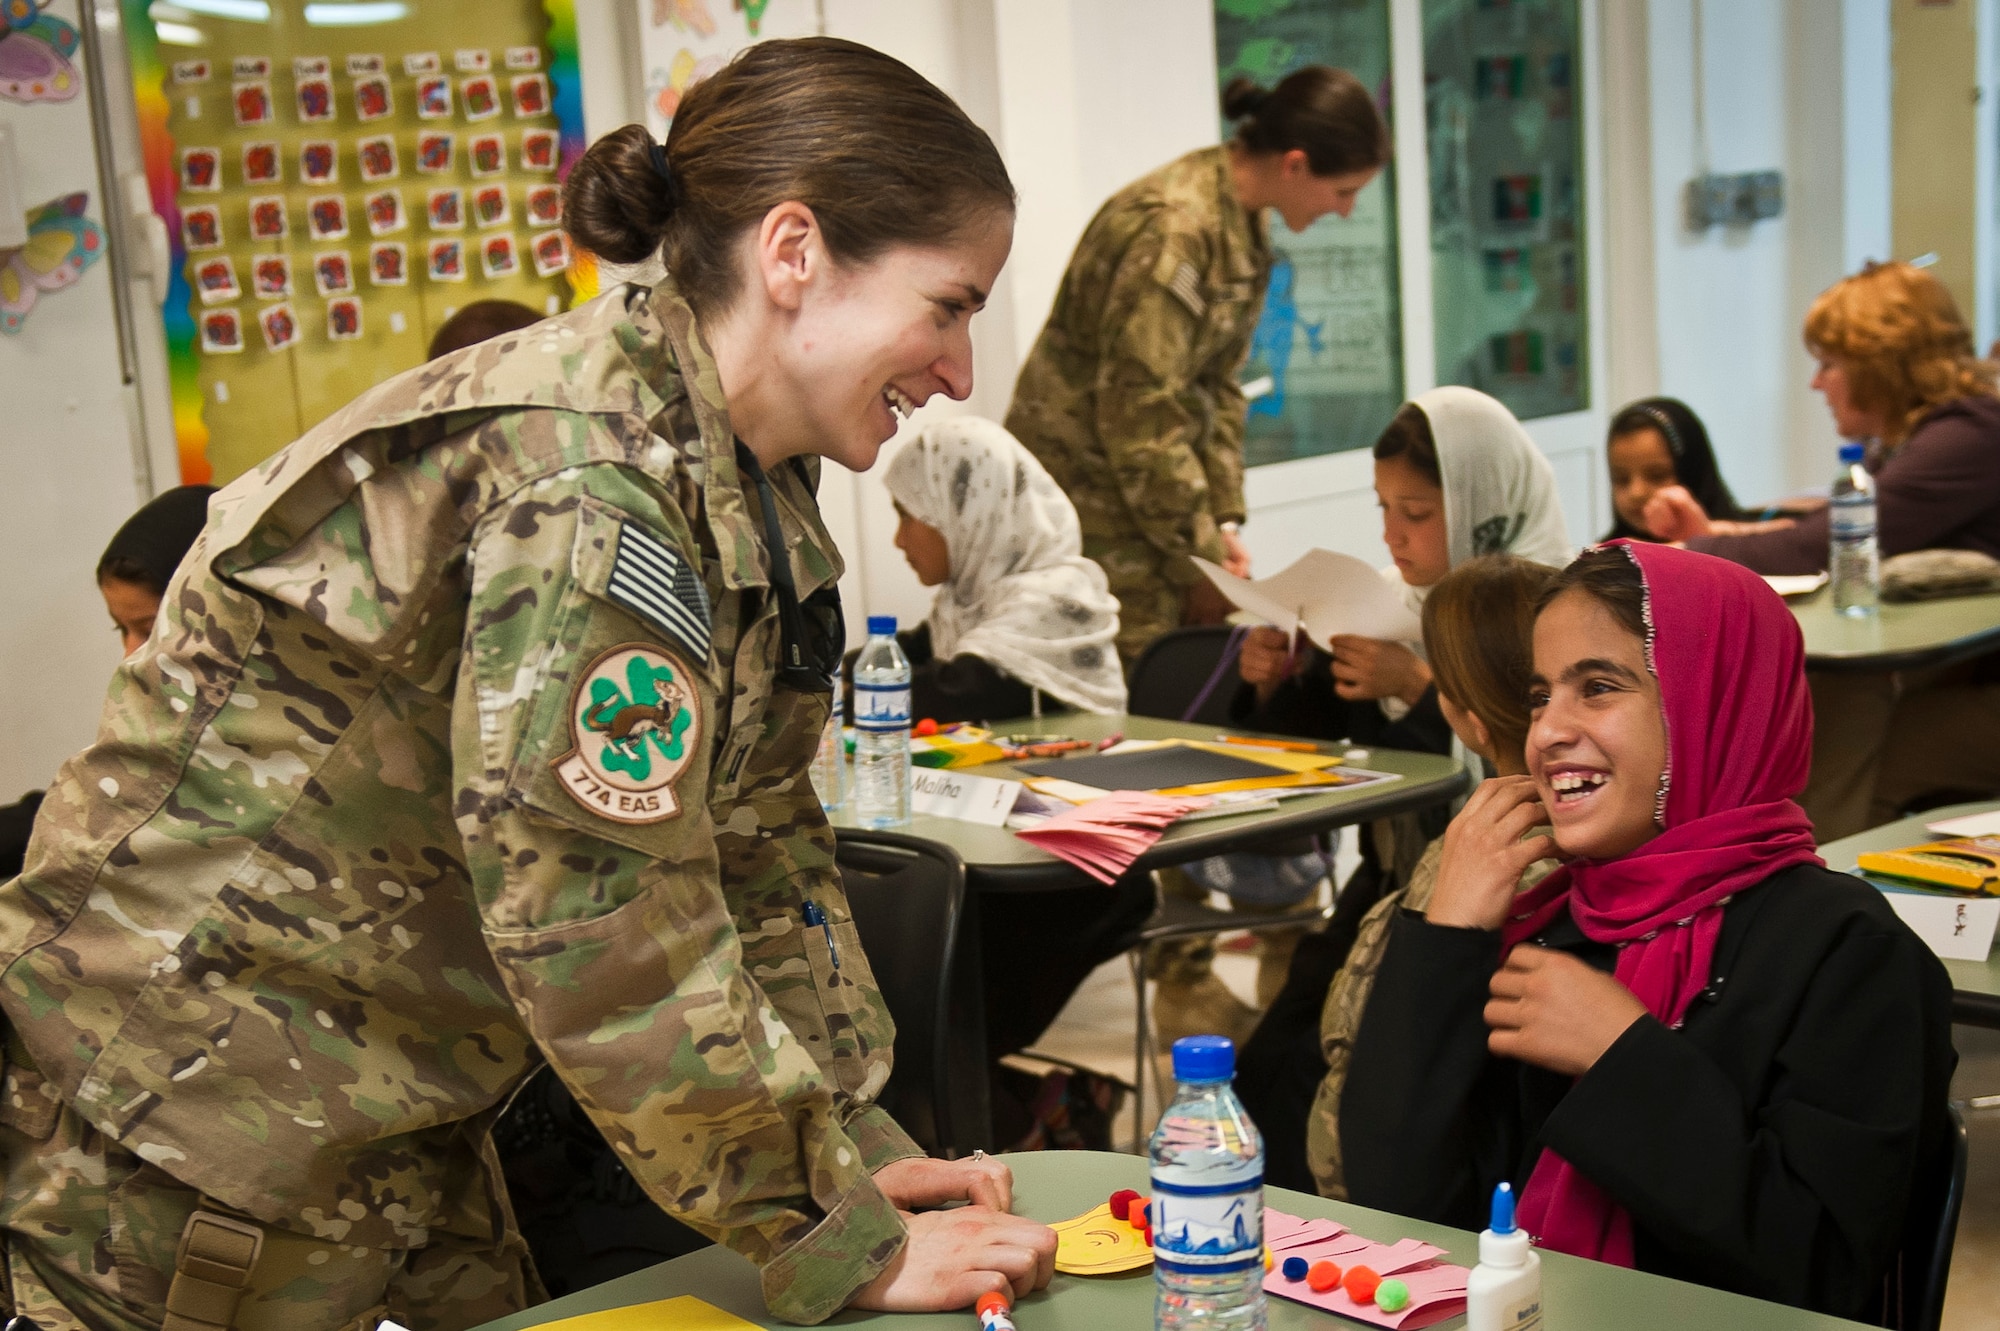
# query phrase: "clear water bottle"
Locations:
[[1208, 1197], [829, 765], [1854, 562], [881, 728]]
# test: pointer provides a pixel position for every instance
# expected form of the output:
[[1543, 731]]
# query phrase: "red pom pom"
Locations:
[[927, 726], [1120, 1201], [1146, 1235], [1322, 1276], [1360, 1284]]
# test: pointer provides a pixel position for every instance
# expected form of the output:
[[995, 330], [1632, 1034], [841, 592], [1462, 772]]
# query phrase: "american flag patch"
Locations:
[[649, 578]]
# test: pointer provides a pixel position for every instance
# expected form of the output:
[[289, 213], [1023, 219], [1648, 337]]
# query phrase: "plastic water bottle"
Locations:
[[1208, 1197], [882, 728], [1854, 561], [829, 765]]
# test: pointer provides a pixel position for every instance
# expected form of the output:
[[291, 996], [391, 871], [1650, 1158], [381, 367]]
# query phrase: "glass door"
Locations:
[[1509, 297], [1327, 353]]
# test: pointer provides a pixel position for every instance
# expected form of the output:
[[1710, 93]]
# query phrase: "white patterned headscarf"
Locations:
[[1021, 595], [1499, 491]]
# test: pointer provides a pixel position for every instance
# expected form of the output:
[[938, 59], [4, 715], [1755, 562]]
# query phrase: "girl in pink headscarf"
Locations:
[[1694, 1049]]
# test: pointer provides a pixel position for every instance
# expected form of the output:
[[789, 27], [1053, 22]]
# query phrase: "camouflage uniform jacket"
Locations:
[[1129, 396], [431, 771]]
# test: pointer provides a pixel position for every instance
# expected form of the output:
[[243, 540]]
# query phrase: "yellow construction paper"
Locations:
[[1097, 1244], [1285, 759], [686, 1313], [1275, 781]]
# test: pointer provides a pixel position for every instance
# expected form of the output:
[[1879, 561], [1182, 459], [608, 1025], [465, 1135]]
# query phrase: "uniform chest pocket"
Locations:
[[616, 739]]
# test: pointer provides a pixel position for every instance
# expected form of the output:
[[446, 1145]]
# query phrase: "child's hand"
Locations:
[[1556, 1011], [1485, 854], [1365, 668], [1265, 662], [1673, 515]]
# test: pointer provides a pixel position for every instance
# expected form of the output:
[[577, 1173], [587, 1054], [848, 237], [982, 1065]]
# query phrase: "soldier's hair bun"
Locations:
[[878, 154], [1325, 113], [1241, 97], [615, 203]]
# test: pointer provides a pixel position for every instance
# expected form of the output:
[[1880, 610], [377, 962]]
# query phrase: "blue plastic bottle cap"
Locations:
[[1502, 1221], [1204, 1058], [1851, 453], [881, 625]]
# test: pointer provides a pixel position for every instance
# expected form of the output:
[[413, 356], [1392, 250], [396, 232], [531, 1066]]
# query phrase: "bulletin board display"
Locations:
[[334, 191]]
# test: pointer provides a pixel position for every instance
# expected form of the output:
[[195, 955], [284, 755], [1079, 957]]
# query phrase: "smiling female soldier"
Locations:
[[474, 734]]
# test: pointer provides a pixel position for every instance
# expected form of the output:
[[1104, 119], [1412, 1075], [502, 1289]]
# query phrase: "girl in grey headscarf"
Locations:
[[1017, 603]]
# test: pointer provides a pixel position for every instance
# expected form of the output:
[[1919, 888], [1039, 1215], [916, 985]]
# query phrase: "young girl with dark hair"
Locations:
[[1693, 1049], [1655, 443], [1129, 396], [474, 738]]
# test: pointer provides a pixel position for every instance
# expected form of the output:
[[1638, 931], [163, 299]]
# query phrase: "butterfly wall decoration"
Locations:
[[62, 242], [35, 51]]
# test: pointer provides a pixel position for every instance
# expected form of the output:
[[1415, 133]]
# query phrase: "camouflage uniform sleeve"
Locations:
[[1155, 411], [1223, 457], [583, 737]]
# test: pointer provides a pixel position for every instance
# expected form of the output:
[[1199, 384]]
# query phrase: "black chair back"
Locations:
[[1174, 669], [909, 903], [1913, 1291]]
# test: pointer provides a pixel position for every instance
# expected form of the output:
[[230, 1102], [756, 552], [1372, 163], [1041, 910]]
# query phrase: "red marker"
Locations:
[[995, 1312]]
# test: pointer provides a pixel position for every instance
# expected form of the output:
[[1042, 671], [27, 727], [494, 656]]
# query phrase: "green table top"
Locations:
[[995, 853], [1976, 984], [1898, 637], [1054, 1185]]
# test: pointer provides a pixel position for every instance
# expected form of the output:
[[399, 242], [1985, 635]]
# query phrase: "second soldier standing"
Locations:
[[1129, 396]]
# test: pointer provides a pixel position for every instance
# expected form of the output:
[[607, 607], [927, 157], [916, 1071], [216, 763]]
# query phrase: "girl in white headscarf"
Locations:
[[1456, 477], [1019, 611]]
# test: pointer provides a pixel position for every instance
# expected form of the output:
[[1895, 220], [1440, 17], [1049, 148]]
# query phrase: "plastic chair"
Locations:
[[908, 899], [1178, 917], [1913, 1291], [1187, 674]]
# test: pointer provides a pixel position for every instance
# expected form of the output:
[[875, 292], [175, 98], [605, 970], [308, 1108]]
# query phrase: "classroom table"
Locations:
[[1975, 985], [1898, 637], [1054, 1185], [996, 860]]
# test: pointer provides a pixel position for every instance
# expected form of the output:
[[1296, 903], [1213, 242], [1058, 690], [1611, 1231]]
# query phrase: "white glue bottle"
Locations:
[[1505, 1290]]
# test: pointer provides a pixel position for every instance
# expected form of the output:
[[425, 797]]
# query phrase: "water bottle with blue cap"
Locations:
[[881, 728], [1208, 1197]]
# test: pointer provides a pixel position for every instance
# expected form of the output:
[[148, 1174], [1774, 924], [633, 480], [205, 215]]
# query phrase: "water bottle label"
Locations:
[[881, 706], [1208, 1230], [1852, 522]]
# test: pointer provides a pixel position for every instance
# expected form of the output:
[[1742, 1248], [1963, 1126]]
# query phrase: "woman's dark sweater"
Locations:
[[1938, 489], [1768, 1147]]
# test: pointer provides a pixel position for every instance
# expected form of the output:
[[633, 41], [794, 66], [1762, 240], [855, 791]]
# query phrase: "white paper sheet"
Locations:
[[1324, 593], [1971, 824]]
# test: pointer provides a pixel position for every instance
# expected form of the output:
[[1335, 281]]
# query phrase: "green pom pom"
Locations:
[[1392, 1296]]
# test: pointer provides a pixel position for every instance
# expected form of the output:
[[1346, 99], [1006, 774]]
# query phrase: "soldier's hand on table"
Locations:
[[1266, 660], [952, 1257], [1237, 560], [1485, 854], [1367, 668], [1556, 1011], [919, 1182]]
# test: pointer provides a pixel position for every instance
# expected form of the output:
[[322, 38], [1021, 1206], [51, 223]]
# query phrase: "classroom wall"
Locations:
[[66, 451], [1745, 85]]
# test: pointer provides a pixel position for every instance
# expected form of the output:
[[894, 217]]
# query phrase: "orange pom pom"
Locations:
[[1360, 1284], [1322, 1276]]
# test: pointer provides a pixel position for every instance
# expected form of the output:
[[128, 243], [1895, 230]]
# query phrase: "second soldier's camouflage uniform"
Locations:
[[458, 747], [1129, 396]]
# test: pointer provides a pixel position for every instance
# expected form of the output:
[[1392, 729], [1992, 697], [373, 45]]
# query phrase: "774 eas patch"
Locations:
[[634, 724]]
